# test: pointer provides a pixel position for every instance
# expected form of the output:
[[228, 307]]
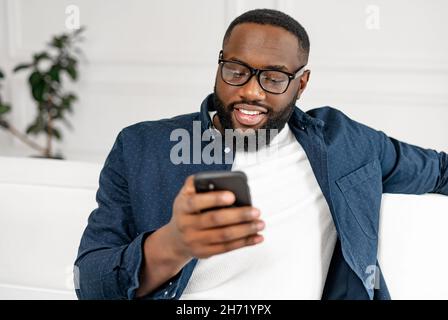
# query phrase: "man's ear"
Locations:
[[304, 78]]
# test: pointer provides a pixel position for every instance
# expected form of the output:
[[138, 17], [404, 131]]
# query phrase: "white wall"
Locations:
[[154, 59]]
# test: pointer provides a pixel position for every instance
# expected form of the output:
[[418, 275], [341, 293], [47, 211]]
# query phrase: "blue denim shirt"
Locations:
[[353, 165]]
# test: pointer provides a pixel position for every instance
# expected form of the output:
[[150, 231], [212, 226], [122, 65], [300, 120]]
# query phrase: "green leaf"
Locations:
[[4, 124], [71, 97], [4, 108], [56, 112], [39, 56], [71, 70], [38, 85], [22, 66], [68, 107], [37, 126], [32, 128], [68, 99], [57, 134], [79, 31], [59, 41], [39, 90], [35, 78], [54, 73]]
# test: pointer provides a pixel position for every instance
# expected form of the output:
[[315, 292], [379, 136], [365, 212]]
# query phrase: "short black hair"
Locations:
[[274, 18]]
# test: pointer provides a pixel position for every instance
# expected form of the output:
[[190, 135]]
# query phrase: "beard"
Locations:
[[276, 121]]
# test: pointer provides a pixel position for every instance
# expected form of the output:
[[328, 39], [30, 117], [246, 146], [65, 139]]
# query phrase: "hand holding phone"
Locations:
[[205, 223]]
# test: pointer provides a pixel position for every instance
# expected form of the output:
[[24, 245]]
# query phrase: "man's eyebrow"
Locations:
[[273, 67]]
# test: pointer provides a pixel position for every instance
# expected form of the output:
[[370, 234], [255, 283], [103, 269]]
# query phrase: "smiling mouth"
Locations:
[[249, 115]]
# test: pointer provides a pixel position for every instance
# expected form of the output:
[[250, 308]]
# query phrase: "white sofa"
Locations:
[[45, 204], [43, 210]]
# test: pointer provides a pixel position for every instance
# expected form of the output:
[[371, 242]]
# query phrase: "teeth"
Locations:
[[249, 112]]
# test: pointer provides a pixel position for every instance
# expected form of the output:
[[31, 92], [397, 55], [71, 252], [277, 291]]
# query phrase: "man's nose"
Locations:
[[252, 91]]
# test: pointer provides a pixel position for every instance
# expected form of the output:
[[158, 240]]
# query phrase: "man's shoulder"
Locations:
[[179, 121], [156, 128], [337, 121], [342, 130], [329, 115], [147, 136]]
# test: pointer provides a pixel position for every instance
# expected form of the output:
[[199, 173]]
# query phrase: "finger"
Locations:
[[194, 203], [228, 216], [230, 233], [188, 187], [215, 249]]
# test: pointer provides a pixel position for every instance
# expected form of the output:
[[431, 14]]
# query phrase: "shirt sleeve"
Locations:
[[410, 169], [110, 256]]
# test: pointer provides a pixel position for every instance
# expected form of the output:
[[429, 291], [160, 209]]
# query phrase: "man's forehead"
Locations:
[[262, 45]]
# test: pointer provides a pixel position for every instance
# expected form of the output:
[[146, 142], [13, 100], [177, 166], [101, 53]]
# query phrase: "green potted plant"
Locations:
[[47, 71], [4, 107]]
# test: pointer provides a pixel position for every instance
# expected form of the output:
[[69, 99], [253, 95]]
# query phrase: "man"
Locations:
[[313, 230]]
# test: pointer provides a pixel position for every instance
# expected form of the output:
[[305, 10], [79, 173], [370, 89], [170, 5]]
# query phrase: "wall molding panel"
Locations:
[[150, 60]]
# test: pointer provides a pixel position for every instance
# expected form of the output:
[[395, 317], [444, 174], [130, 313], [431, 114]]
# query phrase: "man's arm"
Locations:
[[115, 263], [109, 257], [410, 169], [161, 261]]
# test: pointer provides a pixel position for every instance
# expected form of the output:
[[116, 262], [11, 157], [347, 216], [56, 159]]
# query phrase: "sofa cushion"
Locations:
[[45, 205]]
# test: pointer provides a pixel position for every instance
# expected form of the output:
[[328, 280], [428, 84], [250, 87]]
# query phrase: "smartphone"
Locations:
[[234, 181]]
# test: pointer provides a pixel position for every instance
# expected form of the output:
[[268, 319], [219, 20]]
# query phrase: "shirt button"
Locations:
[[165, 293], [170, 283], [226, 149]]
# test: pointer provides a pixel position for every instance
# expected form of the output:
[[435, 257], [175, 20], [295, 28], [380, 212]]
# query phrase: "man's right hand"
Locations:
[[197, 234]]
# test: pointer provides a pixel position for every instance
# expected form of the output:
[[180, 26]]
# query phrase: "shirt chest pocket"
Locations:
[[362, 190]]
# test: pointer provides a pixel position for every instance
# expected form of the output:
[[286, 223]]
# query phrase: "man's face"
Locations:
[[261, 47]]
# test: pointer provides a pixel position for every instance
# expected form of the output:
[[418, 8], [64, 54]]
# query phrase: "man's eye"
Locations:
[[274, 80], [237, 74]]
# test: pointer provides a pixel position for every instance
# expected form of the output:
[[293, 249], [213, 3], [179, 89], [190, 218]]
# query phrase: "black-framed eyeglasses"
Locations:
[[237, 73]]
